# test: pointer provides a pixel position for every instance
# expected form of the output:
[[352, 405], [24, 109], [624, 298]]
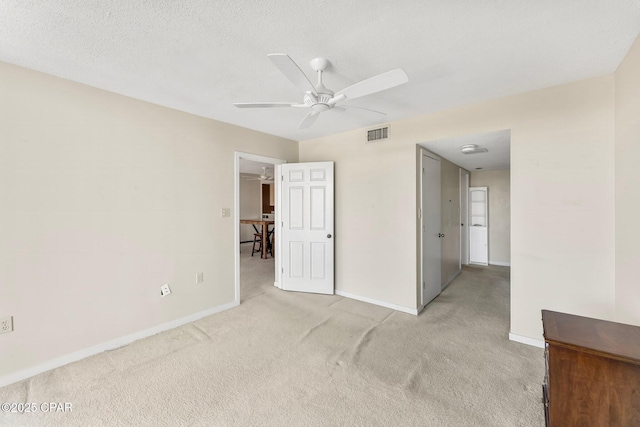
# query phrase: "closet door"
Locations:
[[431, 229]]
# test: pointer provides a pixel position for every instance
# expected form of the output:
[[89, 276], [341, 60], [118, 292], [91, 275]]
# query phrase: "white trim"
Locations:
[[277, 228], [110, 345], [526, 340], [503, 264], [377, 302], [237, 155], [465, 182]]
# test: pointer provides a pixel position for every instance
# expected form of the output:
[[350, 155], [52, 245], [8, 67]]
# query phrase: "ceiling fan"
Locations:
[[263, 177], [318, 98]]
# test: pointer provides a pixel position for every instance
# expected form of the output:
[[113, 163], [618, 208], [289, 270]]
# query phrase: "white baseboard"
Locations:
[[380, 303], [526, 340], [110, 345], [500, 263]]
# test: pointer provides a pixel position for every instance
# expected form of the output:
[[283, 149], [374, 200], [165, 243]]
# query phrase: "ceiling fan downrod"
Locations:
[[324, 95]]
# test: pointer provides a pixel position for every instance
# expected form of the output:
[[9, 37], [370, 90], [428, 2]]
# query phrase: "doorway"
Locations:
[[252, 271], [486, 167], [478, 230]]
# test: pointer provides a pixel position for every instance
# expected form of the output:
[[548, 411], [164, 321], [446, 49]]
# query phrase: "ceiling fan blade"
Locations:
[[267, 104], [308, 120], [361, 108], [374, 84], [291, 70], [335, 99]]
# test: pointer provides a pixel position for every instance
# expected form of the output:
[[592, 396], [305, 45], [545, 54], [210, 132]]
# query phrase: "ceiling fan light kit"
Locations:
[[317, 97]]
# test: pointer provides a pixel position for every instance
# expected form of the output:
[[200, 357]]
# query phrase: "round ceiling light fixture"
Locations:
[[472, 149], [468, 148]]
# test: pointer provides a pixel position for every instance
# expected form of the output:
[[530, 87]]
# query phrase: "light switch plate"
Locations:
[[225, 212]]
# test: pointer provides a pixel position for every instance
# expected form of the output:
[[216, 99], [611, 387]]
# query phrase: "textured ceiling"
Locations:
[[255, 168], [200, 56], [498, 145]]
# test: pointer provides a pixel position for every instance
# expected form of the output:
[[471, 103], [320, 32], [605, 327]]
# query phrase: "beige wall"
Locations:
[[627, 154], [375, 229], [563, 183], [499, 184], [102, 200], [105, 198], [450, 204]]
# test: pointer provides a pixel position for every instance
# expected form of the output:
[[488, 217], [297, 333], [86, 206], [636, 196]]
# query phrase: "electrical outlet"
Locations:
[[6, 324], [164, 290], [199, 278]]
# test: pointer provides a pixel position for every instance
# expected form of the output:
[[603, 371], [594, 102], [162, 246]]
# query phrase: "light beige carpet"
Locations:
[[289, 359]]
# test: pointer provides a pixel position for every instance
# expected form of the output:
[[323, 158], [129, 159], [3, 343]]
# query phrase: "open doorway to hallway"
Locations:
[[256, 207], [480, 160]]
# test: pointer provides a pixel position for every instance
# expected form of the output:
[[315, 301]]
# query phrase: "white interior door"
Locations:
[[479, 225], [431, 229], [306, 229]]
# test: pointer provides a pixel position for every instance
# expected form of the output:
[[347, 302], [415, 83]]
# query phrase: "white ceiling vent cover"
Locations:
[[379, 134]]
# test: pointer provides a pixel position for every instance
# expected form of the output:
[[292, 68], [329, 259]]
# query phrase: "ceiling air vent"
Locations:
[[378, 134]]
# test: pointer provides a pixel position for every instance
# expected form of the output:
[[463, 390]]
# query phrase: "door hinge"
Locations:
[[282, 270], [281, 177], [419, 213]]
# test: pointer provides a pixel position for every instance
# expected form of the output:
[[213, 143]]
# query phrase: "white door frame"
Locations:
[[464, 217], [236, 213]]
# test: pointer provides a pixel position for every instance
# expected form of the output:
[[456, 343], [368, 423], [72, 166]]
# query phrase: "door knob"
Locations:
[[328, 236]]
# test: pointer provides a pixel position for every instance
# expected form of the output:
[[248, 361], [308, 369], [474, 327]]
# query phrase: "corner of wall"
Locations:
[[627, 187]]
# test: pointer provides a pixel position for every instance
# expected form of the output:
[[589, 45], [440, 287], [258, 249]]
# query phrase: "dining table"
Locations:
[[264, 223]]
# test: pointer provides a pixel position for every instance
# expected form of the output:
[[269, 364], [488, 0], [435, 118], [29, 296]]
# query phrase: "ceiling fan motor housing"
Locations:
[[319, 103]]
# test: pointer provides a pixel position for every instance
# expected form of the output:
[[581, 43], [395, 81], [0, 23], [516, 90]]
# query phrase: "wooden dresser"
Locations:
[[592, 371]]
